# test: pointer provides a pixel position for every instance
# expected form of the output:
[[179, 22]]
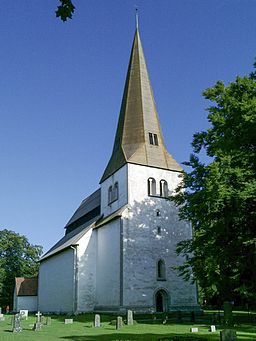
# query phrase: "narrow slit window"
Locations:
[[155, 140], [161, 271], [151, 140]]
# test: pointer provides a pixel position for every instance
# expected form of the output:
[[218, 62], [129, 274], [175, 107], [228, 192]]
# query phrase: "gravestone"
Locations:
[[2, 318], [228, 335], [24, 314], [38, 324], [129, 317], [16, 327], [119, 322], [0, 310], [97, 320], [68, 321], [48, 321], [194, 330], [212, 329], [228, 315], [43, 320]]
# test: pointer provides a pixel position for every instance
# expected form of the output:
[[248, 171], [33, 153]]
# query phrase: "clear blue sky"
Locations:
[[61, 86]]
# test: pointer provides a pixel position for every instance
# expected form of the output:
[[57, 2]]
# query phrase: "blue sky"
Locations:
[[61, 86]]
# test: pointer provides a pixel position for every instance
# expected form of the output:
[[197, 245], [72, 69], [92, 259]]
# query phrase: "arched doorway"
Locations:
[[161, 301]]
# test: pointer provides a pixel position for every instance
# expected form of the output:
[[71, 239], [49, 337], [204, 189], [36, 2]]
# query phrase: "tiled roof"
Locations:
[[26, 286]]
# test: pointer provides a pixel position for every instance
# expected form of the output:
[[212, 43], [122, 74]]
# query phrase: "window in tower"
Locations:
[[151, 186], [153, 139], [163, 188], [110, 191], [161, 271]]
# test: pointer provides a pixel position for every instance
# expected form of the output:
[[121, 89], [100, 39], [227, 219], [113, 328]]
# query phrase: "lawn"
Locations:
[[145, 329]]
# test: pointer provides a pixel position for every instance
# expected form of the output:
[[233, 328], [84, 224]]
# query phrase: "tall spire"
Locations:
[[139, 138]]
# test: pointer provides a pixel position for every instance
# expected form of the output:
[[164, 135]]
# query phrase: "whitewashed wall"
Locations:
[[121, 177], [26, 302], [56, 283], [143, 247], [108, 266], [86, 274]]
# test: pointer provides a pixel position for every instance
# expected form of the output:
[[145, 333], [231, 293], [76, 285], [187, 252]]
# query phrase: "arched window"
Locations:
[[163, 188], [151, 186], [110, 190], [161, 273], [115, 192]]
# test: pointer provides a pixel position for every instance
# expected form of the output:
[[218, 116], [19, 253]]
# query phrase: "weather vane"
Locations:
[[137, 16]]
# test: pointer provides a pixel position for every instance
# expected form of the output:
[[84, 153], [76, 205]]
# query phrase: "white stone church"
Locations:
[[118, 251]]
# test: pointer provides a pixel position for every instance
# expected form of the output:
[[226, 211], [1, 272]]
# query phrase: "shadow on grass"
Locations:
[[144, 337]]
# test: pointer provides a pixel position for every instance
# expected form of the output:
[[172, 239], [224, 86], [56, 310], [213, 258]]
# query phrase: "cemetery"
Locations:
[[207, 325]]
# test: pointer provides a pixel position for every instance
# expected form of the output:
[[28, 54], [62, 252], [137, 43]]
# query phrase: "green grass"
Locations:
[[146, 329]]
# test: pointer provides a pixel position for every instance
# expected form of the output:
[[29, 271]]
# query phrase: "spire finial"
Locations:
[[137, 17]]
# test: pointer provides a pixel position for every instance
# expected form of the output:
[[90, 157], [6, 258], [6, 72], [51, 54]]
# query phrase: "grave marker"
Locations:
[[48, 321], [24, 314], [212, 329], [119, 322], [68, 321], [129, 317], [16, 327], [2, 318], [97, 321], [194, 330]]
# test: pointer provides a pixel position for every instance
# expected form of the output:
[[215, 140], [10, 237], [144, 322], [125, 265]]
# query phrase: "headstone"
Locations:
[[0, 310], [129, 317], [97, 320], [194, 330], [119, 322], [38, 315], [228, 335], [2, 318], [212, 329], [228, 315], [42, 319], [68, 321], [48, 321], [37, 326], [16, 327], [24, 314]]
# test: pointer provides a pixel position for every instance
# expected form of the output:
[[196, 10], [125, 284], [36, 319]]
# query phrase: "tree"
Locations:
[[18, 258], [65, 10], [219, 197]]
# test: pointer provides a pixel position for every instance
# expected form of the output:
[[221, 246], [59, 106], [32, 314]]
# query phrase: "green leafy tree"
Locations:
[[219, 198], [65, 10], [18, 258]]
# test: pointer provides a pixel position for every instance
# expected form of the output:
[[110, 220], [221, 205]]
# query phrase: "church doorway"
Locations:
[[161, 301]]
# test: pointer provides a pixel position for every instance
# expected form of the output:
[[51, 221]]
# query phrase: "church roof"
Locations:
[[138, 119], [88, 209], [26, 286], [70, 239]]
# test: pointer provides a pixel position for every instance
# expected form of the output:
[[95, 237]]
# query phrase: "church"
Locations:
[[118, 251]]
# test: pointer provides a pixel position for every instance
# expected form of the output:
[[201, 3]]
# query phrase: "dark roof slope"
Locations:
[[26, 286]]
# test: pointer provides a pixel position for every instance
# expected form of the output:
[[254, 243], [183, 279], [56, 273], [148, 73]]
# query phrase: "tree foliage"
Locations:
[[18, 258], [65, 10], [219, 198]]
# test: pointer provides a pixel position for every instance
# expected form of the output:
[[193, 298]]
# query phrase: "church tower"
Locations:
[[135, 186], [118, 251]]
